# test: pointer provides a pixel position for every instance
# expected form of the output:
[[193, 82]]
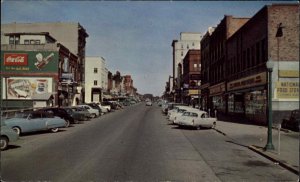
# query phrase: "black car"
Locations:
[[62, 113], [293, 122]]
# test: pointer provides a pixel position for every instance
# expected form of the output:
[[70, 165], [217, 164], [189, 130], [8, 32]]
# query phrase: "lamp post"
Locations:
[[269, 145], [199, 94]]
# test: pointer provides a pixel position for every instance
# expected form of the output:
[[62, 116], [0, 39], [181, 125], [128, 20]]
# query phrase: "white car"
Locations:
[[148, 103], [196, 119], [94, 112], [174, 115], [104, 109]]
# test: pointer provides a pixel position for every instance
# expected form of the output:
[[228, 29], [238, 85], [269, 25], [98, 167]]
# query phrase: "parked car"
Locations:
[[106, 105], [7, 135], [76, 115], [148, 103], [103, 108], [293, 122], [93, 112], [196, 119], [60, 112], [35, 121], [82, 110], [95, 106], [181, 109]]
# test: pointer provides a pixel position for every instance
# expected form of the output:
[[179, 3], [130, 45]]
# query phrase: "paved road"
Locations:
[[134, 144]]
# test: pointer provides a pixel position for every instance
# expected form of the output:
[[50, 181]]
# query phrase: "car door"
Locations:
[[36, 122]]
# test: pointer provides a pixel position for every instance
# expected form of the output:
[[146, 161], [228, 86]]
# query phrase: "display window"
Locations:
[[256, 105]]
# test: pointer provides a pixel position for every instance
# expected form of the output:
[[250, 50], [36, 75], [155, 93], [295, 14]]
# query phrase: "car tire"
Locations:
[[54, 130], [94, 115], [17, 130], [76, 121], [3, 143], [67, 123]]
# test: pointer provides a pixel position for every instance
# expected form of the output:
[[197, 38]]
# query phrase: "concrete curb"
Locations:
[[219, 131], [274, 159]]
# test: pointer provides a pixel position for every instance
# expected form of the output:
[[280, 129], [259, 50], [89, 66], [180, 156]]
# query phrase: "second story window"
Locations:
[[26, 42], [11, 40], [95, 82], [95, 70]]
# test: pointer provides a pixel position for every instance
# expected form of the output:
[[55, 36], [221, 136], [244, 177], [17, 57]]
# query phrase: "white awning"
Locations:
[[43, 96]]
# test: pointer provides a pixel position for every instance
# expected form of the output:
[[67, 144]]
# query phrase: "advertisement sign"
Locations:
[[29, 61], [287, 90], [15, 59], [248, 82], [26, 87], [217, 89]]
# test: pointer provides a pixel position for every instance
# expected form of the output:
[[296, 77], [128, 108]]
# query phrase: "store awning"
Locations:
[[43, 96], [107, 96]]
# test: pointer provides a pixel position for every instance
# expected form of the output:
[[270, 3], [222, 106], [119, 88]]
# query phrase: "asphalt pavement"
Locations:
[[135, 144]]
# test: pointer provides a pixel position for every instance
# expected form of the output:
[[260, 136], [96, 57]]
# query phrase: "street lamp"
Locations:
[[269, 145]]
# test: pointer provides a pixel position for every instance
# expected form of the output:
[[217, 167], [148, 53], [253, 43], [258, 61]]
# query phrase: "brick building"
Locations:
[[213, 60], [236, 75], [70, 34], [191, 76], [33, 69], [247, 53]]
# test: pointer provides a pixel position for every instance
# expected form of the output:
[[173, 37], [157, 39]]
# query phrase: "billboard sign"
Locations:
[[29, 61], [26, 87]]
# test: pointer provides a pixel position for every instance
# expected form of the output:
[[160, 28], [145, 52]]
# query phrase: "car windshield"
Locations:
[[181, 110]]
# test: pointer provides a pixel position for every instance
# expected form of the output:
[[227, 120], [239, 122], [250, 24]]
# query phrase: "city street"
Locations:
[[136, 143]]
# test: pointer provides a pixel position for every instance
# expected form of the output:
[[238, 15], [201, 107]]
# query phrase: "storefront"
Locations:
[[204, 96], [247, 97], [217, 97]]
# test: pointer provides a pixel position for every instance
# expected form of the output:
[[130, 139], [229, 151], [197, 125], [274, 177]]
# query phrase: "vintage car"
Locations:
[[293, 122], [175, 115], [76, 115], [93, 112], [7, 135], [196, 119], [148, 103], [60, 112], [35, 121]]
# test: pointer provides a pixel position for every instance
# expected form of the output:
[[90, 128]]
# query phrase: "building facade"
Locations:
[[96, 79], [32, 68], [191, 77], [187, 41], [234, 64], [71, 35]]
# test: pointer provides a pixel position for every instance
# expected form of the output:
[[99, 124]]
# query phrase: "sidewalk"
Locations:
[[255, 138]]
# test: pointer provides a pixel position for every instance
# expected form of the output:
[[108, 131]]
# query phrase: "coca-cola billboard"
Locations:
[[15, 59]]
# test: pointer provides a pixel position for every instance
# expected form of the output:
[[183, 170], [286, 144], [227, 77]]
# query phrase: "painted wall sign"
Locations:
[[15, 59], [29, 61], [251, 81], [287, 90]]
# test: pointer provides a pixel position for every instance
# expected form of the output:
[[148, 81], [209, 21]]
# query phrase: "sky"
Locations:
[[134, 37]]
